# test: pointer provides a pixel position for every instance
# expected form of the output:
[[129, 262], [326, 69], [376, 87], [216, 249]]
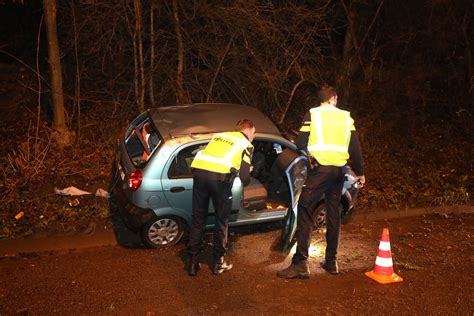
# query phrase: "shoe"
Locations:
[[330, 266], [193, 266], [220, 266], [295, 271]]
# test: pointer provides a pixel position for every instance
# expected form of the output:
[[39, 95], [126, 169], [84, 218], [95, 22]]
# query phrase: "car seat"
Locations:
[[278, 184], [255, 195]]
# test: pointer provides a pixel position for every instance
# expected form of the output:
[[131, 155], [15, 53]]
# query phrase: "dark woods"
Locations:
[[404, 58], [386, 57]]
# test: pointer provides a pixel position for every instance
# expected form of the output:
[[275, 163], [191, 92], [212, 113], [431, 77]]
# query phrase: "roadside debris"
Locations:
[[409, 266], [71, 191], [19, 215], [102, 193], [74, 202]]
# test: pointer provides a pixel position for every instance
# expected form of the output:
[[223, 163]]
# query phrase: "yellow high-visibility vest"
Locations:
[[224, 151], [329, 135]]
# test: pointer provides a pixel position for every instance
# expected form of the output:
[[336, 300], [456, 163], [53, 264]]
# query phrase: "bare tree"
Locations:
[[181, 97], [151, 89], [209, 93], [468, 51], [138, 31], [63, 136], [351, 60], [277, 50], [77, 85]]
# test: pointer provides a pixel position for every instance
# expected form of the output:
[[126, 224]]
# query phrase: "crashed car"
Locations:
[[152, 179]]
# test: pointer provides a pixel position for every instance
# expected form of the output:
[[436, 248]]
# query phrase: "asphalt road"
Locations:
[[110, 273], [433, 253]]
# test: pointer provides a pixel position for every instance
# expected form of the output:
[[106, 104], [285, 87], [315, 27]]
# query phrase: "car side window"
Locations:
[[181, 165]]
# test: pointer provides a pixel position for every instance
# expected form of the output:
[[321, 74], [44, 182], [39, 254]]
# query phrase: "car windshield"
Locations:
[[141, 142]]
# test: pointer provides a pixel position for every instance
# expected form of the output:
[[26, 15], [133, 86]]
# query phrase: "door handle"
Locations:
[[177, 189]]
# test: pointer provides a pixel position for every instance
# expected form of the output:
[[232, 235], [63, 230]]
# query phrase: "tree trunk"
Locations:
[[181, 97], [62, 134], [136, 89], [138, 31], [152, 55], [468, 54], [290, 99], [77, 85], [347, 65], [351, 60], [208, 98]]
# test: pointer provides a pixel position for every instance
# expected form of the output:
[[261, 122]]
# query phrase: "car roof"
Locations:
[[203, 118]]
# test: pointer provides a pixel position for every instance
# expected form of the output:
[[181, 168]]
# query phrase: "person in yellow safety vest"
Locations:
[[214, 168], [329, 136]]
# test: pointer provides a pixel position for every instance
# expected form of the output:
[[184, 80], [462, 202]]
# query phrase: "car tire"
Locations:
[[319, 220], [163, 231]]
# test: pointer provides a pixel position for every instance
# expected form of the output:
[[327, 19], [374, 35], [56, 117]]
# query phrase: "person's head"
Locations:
[[328, 94], [246, 126], [146, 127]]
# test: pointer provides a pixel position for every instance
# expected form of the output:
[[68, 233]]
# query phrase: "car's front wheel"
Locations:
[[164, 231]]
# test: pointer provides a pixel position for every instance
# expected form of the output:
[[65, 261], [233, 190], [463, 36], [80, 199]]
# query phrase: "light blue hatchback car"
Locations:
[[152, 180]]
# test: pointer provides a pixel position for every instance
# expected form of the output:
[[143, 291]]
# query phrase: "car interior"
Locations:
[[142, 135], [268, 188]]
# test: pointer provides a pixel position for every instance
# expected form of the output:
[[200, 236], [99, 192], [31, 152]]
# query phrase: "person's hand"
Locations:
[[251, 168], [362, 180]]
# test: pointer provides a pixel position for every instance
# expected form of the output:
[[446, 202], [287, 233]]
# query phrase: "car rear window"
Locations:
[[141, 142]]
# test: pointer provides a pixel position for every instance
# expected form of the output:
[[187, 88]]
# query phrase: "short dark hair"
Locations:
[[326, 93], [244, 124]]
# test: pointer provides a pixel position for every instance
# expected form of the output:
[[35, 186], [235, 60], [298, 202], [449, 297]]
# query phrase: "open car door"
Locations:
[[296, 174]]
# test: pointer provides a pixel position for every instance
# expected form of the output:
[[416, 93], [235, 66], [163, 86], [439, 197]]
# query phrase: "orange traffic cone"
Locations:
[[383, 271]]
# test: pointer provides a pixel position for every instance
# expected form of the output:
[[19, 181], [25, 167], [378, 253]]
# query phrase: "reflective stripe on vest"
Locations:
[[228, 161], [321, 129]]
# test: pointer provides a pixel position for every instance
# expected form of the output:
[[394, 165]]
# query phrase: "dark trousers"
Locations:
[[327, 181], [208, 185]]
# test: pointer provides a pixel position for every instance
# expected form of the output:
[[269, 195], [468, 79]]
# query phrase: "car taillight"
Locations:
[[135, 180]]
